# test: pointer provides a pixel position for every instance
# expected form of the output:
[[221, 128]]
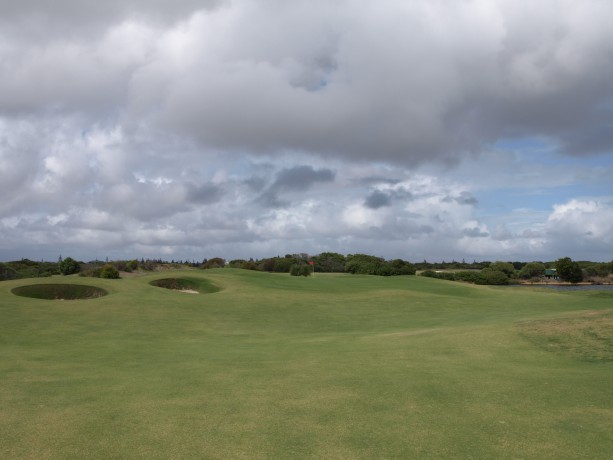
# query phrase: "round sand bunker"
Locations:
[[59, 291], [186, 285]]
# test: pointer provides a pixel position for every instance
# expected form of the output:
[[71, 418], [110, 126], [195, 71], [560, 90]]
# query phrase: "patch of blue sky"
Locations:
[[538, 199], [546, 151], [534, 144]]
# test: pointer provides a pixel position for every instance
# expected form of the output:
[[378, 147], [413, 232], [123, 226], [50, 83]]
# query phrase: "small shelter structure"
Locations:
[[551, 273]]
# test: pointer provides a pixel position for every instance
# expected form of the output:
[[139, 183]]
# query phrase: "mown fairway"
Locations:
[[334, 366]]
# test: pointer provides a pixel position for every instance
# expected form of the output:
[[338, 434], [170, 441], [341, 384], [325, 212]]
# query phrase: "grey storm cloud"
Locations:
[[300, 178], [462, 198], [475, 233], [376, 180], [294, 179], [203, 194], [377, 199], [407, 83]]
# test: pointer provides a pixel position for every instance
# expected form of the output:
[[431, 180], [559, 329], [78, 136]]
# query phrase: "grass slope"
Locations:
[[274, 366]]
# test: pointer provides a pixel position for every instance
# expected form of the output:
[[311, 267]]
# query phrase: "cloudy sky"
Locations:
[[420, 129]]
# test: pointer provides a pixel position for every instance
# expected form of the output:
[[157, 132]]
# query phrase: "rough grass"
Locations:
[[586, 336], [274, 366]]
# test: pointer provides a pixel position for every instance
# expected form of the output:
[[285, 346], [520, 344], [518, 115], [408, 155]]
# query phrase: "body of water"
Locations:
[[569, 287]]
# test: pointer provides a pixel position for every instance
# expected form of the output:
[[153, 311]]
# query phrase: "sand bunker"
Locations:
[[186, 285], [59, 291]]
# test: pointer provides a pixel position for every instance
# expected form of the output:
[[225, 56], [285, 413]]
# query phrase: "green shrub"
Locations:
[[8, 273], [532, 270], [109, 272], [215, 262], [300, 270], [69, 266], [449, 276], [505, 267], [468, 276], [489, 276], [132, 265]]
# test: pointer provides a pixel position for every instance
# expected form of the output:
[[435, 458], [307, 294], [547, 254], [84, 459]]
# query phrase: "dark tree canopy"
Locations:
[[69, 266], [568, 270]]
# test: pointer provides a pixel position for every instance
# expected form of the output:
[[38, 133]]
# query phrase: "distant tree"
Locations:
[[236, 263], [132, 265], [283, 264], [532, 270], [330, 262], [505, 267], [599, 270], [300, 270], [401, 267], [267, 265], [249, 265], [215, 262], [490, 276], [363, 264], [8, 273], [469, 276], [568, 270], [69, 266]]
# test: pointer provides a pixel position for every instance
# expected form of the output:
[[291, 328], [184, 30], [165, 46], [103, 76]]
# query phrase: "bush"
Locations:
[[489, 276], [132, 265], [532, 270], [109, 272], [300, 270], [505, 267], [248, 265], [69, 266], [7, 273], [215, 262], [448, 276], [467, 276], [370, 265], [330, 262], [364, 264], [401, 267]]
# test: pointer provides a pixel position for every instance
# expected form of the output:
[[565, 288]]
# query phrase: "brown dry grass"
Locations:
[[588, 335]]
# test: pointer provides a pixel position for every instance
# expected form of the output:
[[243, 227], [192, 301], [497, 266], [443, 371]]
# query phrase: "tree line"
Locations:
[[303, 264], [500, 273]]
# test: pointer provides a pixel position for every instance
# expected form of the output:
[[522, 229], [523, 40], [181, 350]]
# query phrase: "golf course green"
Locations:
[[261, 365]]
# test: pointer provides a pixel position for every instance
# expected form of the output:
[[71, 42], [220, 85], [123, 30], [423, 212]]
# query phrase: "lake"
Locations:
[[566, 287]]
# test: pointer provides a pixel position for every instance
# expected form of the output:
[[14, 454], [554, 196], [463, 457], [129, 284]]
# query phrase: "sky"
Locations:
[[416, 129]]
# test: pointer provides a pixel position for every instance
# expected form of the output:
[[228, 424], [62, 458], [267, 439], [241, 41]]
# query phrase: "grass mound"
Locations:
[[186, 284], [588, 336], [59, 291]]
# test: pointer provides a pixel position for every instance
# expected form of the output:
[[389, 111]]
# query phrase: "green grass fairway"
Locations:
[[335, 366]]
